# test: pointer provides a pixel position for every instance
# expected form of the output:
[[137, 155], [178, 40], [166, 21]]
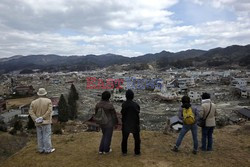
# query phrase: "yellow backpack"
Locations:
[[188, 116]]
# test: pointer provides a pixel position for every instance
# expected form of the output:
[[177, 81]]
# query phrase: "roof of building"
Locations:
[[174, 120], [24, 88], [245, 112], [245, 89], [10, 114]]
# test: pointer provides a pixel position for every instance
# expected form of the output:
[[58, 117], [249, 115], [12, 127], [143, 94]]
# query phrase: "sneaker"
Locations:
[[110, 150], [51, 151], [124, 154], [100, 153], [194, 152], [175, 149]]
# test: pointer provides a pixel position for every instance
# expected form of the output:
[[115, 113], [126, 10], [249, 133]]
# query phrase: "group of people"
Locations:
[[206, 113], [130, 122], [41, 113]]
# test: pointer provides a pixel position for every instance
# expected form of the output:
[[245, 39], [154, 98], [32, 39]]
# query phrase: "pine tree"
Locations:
[[72, 107], [74, 92], [72, 98], [63, 112]]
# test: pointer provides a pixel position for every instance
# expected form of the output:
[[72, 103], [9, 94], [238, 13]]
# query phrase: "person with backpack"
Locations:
[[130, 123], [189, 115], [107, 118], [208, 113]]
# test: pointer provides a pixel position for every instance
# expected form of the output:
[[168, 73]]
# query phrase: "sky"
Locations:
[[125, 27]]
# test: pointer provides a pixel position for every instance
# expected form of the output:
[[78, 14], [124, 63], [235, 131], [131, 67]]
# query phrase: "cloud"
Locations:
[[239, 6], [129, 28], [51, 15]]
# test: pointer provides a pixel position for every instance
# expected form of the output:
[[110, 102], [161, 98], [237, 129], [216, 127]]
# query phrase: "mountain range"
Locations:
[[231, 55]]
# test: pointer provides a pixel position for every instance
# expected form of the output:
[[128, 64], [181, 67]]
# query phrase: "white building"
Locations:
[[239, 82], [207, 73], [195, 95], [211, 79], [245, 92], [186, 82]]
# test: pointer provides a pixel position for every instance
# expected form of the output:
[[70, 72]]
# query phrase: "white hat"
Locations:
[[41, 92]]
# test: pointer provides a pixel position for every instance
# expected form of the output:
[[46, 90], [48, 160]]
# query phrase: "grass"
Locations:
[[81, 149], [10, 144]]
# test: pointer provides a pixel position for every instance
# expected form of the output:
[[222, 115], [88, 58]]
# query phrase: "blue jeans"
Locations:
[[44, 138], [106, 139], [183, 132], [207, 138]]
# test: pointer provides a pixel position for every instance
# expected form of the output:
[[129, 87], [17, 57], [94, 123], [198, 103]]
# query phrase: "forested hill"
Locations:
[[236, 55]]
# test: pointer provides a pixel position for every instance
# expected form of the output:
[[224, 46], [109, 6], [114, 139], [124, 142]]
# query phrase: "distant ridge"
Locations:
[[10, 58], [51, 62]]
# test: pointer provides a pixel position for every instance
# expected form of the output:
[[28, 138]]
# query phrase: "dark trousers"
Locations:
[[137, 140], [106, 139], [207, 138]]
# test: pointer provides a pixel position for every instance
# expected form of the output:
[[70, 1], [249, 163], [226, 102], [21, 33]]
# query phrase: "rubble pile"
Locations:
[[156, 103]]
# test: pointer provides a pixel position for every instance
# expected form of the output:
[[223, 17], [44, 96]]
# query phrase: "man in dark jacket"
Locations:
[[130, 122], [107, 129]]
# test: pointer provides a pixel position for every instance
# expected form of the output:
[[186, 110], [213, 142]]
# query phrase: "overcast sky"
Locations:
[[126, 27]]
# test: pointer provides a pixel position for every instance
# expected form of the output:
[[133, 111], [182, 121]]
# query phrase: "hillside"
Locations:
[[231, 148], [232, 55]]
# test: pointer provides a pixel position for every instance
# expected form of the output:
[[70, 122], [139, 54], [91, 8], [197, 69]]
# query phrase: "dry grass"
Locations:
[[10, 144], [12, 103], [230, 149]]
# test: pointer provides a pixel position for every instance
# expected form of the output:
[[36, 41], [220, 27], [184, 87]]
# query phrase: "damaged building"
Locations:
[[2, 105]]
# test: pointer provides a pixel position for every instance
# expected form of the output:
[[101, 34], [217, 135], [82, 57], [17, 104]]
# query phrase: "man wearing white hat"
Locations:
[[41, 113]]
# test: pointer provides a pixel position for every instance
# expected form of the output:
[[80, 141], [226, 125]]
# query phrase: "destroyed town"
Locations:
[[159, 101], [157, 92], [153, 83]]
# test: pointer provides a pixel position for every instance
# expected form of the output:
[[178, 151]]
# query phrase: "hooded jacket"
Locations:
[[130, 116], [109, 111]]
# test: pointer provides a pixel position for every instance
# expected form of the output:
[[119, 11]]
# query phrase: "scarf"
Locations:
[[206, 101]]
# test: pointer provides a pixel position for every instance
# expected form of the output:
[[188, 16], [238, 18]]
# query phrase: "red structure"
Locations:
[[24, 90]]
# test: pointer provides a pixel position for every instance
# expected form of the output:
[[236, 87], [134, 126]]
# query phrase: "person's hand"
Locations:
[[39, 120]]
